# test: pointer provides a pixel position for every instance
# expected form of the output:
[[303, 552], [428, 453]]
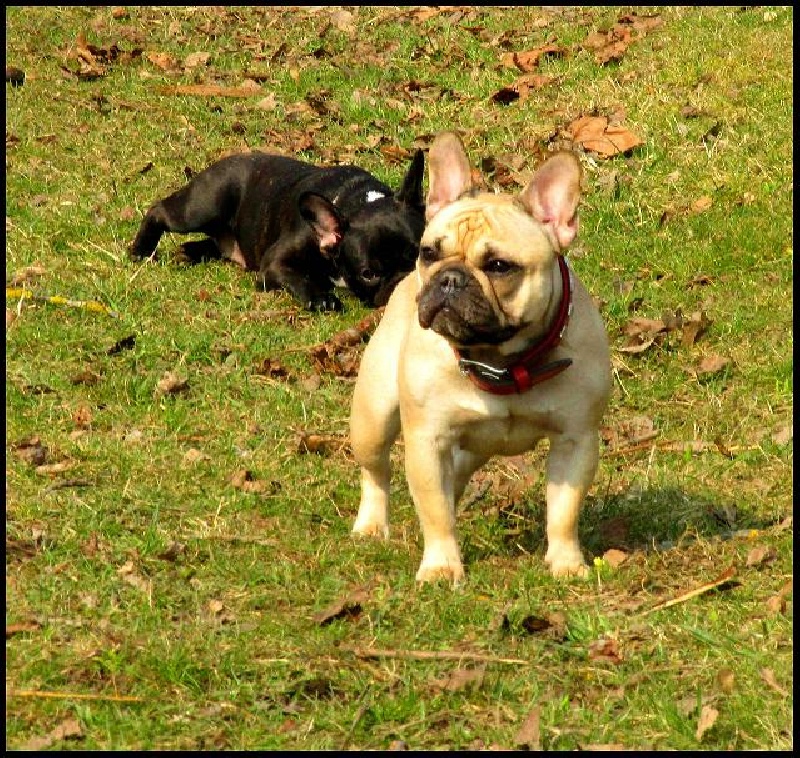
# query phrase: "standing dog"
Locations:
[[301, 227], [490, 346]]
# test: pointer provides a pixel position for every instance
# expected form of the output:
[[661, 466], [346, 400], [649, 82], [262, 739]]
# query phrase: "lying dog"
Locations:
[[490, 346], [301, 227]]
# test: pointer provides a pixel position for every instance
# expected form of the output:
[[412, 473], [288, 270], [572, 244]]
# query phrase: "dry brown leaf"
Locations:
[[55, 468], [638, 429], [776, 605], [708, 717], [640, 325], [196, 59], [82, 417], [595, 134], [25, 626], [712, 364], [320, 444], [529, 60], [529, 735], [170, 384], [139, 582], [273, 369], [614, 557], [761, 554], [694, 327], [87, 377], [605, 649], [31, 450], [248, 89], [192, 455], [784, 435], [238, 478], [347, 607], [701, 204], [459, 679], [636, 344], [164, 61], [68, 729], [726, 679], [27, 274], [768, 675]]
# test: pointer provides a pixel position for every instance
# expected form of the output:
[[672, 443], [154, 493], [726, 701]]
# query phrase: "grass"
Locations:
[[136, 568]]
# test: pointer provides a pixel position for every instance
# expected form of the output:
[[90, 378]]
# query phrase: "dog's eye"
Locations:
[[498, 267], [428, 254]]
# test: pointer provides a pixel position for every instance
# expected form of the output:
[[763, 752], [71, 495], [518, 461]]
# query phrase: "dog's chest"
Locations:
[[504, 431]]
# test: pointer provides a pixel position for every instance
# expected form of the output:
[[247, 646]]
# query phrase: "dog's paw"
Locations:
[[566, 561], [326, 302], [451, 574], [440, 565], [371, 529]]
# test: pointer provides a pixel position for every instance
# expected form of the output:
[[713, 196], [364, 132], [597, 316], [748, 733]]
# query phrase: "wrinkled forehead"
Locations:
[[470, 225]]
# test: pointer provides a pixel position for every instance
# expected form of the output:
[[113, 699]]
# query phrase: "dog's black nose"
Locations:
[[452, 279]]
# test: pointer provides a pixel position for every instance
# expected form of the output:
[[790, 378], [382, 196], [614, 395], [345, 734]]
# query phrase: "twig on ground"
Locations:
[[722, 579], [431, 655], [74, 696]]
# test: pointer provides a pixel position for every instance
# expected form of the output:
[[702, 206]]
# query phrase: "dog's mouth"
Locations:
[[453, 305]]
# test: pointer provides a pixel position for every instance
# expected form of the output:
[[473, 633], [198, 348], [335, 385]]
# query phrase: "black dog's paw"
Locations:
[[325, 302], [135, 253]]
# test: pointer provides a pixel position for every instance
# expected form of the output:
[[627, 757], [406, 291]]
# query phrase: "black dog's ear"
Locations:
[[325, 222], [411, 191]]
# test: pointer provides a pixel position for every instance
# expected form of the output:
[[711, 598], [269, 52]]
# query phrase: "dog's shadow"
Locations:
[[635, 520]]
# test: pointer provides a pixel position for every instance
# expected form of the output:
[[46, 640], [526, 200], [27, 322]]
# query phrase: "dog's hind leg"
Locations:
[[206, 204], [196, 251]]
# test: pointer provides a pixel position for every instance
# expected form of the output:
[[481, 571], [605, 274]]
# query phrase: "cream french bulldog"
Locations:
[[491, 345]]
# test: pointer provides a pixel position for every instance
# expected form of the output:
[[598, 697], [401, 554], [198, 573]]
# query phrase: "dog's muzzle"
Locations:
[[454, 305]]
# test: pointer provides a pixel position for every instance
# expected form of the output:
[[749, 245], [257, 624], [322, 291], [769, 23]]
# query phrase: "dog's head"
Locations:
[[486, 261], [376, 247]]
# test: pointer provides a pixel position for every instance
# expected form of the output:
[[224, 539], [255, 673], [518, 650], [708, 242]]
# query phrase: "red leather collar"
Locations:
[[529, 368]]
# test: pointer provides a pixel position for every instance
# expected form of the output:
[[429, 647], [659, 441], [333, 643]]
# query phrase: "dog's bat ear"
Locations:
[[552, 197], [450, 174], [325, 222], [411, 191]]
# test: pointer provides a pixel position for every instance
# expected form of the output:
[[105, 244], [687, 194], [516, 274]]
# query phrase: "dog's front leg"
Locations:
[[571, 467], [374, 425], [431, 480]]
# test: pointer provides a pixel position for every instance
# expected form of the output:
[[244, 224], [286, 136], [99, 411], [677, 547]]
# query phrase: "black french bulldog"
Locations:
[[303, 228]]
